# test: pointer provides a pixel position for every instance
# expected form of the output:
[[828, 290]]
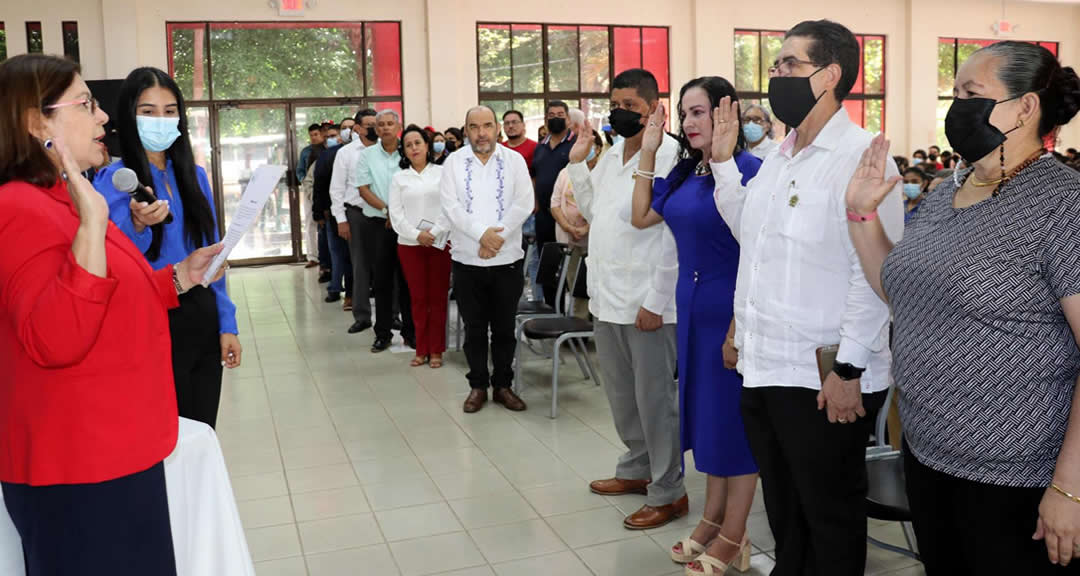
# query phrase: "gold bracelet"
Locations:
[[1058, 489]]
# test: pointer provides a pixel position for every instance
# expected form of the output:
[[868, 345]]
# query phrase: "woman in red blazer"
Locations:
[[87, 408]]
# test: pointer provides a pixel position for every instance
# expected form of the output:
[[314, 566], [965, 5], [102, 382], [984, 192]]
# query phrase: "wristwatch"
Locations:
[[847, 371], [385, 211]]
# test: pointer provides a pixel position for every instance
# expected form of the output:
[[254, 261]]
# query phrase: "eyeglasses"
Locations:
[[90, 104], [784, 67]]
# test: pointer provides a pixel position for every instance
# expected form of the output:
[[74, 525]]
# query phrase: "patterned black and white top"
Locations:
[[983, 357]]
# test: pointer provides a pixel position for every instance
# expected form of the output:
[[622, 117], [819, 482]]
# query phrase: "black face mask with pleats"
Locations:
[[968, 127]]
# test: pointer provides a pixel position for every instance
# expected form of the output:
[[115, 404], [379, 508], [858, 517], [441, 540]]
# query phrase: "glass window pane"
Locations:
[[70, 32], [627, 49], [533, 111], [946, 65], [596, 111], [251, 137], [528, 61], [188, 59], [875, 116], [494, 46], [34, 43], [382, 49], [874, 65], [562, 58], [306, 116], [966, 48], [595, 57], [747, 62], [499, 106], [771, 42], [942, 110], [250, 60], [3, 42], [857, 88], [655, 54], [394, 105], [855, 110]]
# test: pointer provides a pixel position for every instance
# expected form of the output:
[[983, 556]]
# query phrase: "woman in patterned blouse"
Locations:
[[984, 291]]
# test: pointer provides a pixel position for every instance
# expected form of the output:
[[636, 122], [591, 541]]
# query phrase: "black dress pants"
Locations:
[[108, 528], [488, 297], [380, 244], [813, 475], [545, 234], [196, 355], [970, 528]]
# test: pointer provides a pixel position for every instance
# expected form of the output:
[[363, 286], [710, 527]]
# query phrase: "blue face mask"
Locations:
[[157, 133], [440, 147], [916, 161], [331, 142], [753, 132], [912, 191]]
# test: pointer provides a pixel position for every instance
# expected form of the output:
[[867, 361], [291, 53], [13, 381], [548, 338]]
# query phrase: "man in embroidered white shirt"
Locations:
[[632, 277], [486, 196], [801, 288]]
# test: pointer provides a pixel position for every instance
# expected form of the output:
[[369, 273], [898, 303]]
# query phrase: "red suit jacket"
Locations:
[[86, 387]]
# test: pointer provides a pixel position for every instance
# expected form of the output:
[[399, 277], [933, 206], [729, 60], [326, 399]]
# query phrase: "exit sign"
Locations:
[[290, 7], [1004, 28]]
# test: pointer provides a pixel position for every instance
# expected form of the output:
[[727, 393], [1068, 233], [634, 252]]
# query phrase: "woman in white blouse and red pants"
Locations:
[[415, 211]]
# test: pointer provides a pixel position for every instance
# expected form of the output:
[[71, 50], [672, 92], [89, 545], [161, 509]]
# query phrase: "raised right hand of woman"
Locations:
[[726, 127], [583, 144], [654, 130], [91, 205], [868, 186]]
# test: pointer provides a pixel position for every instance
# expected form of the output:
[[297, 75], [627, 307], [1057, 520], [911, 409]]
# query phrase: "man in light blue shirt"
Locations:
[[375, 168]]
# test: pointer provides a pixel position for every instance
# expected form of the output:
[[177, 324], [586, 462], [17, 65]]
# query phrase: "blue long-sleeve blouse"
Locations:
[[174, 246]]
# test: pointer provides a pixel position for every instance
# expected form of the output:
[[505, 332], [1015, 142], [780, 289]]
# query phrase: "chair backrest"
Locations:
[[553, 257]]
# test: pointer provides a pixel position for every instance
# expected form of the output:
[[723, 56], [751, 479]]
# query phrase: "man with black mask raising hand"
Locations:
[[551, 156], [632, 277], [802, 300]]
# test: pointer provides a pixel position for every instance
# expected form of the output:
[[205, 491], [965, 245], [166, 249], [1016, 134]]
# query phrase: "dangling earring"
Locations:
[[1002, 181], [48, 143]]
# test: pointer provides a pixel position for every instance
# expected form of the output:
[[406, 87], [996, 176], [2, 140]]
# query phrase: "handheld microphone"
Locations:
[[126, 181]]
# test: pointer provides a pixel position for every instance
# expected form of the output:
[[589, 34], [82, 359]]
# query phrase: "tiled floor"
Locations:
[[350, 463]]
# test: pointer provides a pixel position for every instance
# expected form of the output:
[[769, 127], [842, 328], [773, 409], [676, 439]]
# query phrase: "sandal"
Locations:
[[418, 361], [688, 544], [436, 362], [714, 566]]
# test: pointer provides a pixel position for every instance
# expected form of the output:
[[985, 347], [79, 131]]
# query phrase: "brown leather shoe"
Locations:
[[506, 397], [654, 517], [618, 487], [476, 400]]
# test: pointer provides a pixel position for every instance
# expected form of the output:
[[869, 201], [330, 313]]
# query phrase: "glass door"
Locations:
[[250, 136]]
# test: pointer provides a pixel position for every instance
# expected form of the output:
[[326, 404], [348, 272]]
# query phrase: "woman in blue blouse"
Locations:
[[709, 388], [152, 126]]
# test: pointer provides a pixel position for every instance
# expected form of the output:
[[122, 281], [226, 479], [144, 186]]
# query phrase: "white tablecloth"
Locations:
[[207, 533]]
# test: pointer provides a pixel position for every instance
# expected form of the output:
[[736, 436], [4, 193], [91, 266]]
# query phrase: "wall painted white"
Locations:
[[439, 38]]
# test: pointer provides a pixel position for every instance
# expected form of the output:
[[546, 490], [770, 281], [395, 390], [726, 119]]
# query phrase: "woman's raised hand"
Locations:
[[726, 127], [654, 130], [868, 186]]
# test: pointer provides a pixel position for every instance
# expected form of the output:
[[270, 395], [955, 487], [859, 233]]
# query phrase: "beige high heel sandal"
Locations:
[[714, 567], [691, 549]]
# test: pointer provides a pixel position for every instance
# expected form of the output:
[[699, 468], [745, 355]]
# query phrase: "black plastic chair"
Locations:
[[562, 329], [886, 497]]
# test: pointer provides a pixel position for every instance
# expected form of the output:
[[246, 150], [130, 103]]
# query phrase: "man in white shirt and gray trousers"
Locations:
[[800, 288], [632, 278], [347, 206], [487, 195]]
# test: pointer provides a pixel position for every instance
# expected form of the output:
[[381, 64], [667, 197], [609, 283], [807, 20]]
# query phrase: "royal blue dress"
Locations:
[[710, 417]]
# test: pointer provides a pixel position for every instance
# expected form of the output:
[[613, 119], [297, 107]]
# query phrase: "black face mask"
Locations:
[[556, 125], [371, 135], [968, 128], [451, 145], [792, 98], [625, 123]]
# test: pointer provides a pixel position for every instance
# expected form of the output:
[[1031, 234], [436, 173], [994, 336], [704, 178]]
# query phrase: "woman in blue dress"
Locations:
[[152, 127], [709, 388]]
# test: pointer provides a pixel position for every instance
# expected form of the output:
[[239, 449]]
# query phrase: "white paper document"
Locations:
[[440, 240], [259, 188]]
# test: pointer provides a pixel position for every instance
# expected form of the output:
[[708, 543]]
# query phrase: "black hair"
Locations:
[[457, 134], [314, 127], [715, 88], [405, 163], [1072, 151], [1031, 68], [934, 146], [509, 112], [597, 139], [327, 125], [919, 151], [347, 119], [639, 79], [901, 162], [557, 104], [364, 113], [199, 222], [831, 43], [926, 178]]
